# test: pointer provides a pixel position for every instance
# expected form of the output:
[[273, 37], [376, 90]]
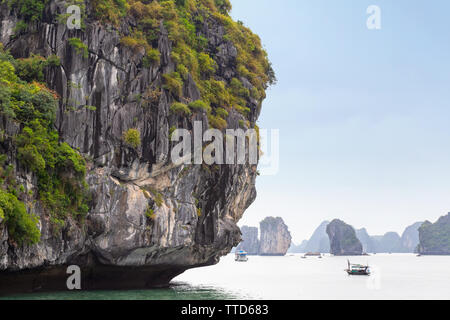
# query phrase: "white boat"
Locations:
[[241, 256], [357, 269]]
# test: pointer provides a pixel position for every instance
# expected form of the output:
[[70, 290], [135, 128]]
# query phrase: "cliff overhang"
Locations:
[[120, 91]]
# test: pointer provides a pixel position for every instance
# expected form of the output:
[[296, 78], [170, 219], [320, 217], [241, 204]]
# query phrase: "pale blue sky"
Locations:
[[364, 115]]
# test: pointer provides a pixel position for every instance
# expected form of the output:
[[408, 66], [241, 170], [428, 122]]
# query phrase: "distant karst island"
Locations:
[[435, 237], [275, 238], [339, 238], [343, 240]]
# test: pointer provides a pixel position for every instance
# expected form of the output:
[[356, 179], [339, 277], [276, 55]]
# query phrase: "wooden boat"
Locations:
[[357, 269], [313, 254]]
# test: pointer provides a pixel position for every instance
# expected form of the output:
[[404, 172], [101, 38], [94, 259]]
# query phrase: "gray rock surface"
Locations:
[[118, 245], [368, 243], [410, 237], [250, 241], [300, 248], [435, 237], [275, 238], [319, 241], [390, 242], [343, 240]]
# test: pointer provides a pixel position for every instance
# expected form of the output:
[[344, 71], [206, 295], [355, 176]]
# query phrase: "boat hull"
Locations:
[[241, 260], [358, 273]]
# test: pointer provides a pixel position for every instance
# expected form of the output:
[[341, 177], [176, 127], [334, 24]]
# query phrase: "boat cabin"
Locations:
[[358, 269], [241, 256]]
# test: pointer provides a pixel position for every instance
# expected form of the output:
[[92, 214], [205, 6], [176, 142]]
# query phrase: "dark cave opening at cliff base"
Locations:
[[100, 277]]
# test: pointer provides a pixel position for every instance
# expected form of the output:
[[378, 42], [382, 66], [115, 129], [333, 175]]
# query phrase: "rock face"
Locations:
[[118, 246], [343, 240], [275, 237], [435, 237], [250, 242], [390, 242], [301, 248], [410, 237], [367, 241], [319, 241]]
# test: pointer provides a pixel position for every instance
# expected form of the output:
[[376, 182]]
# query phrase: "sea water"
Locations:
[[394, 276]]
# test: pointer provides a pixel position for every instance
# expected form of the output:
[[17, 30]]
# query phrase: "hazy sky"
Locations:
[[364, 115]]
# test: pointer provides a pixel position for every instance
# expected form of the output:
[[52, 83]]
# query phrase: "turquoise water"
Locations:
[[396, 276], [177, 291]]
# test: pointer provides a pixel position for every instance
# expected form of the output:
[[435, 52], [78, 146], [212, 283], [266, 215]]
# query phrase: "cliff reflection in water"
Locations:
[[177, 291]]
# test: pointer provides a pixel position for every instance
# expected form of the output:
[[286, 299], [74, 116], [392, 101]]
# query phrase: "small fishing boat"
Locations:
[[357, 269], [313, 254], [241, 256]]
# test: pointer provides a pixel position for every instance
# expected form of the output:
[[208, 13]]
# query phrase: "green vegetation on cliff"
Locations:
[[22, 227], [29, 10], [132, 137], [79, 46], [185, 21], [435, 237], [223, 57], [59, 169]]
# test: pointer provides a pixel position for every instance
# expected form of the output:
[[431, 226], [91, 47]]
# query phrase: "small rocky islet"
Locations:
[[275, 238]]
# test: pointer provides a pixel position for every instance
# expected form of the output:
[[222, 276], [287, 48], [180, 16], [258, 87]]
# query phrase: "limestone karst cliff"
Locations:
[[298, 248], [275, 238], [390, 242], [86, 119], [343, 240], [368, 242], [435, 237], [410, 237], [319, 241], [250, 241]]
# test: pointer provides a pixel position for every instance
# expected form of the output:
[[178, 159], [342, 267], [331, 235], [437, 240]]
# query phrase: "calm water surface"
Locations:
[[396, 276]]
